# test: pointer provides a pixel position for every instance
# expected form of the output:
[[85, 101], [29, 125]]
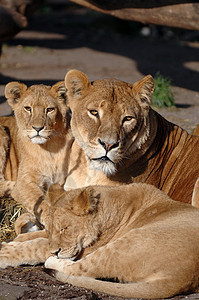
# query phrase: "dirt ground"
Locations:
[[61, 38]]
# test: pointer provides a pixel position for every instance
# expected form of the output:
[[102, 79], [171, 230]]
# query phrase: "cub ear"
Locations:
[[76, 83], [144, 89], [54, 193], [13, 92], [60, 89], [86, 202]]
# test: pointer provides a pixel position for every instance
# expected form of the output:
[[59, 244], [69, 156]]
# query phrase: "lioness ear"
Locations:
[[60, 89], [76, 83], [86, 202], [13, 92], [54, 193], [144, 89]]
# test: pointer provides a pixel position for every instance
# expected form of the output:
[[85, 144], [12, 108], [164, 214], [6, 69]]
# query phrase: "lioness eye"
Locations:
[[27, 108], [94, 113], [50, 109], [127, 119]]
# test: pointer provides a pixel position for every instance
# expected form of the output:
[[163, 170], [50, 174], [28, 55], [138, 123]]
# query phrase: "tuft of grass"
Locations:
[[29, 49], [162, 96], [9, 212]]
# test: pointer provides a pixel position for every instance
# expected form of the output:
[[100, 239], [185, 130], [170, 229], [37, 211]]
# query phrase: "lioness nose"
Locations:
[[108, 146], [38, 128]]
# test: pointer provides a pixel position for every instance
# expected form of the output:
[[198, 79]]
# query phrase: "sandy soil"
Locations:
[[101, 47]]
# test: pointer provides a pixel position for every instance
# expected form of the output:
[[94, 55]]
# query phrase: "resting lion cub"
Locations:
[[143, 239], [124, 140], [34, 144]]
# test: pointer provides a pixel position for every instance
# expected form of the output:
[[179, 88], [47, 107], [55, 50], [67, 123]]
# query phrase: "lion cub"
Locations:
[[145, 240], [34, 144]]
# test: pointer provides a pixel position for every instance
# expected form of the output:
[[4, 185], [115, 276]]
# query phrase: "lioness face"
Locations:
[[37, 109], [70, 212], [109, 117]]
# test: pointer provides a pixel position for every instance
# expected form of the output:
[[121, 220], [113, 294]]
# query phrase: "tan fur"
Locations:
[[196, 130], [133, 233], [195, 196], [35, 154], [8, 174], [124, 140], [28, 248]]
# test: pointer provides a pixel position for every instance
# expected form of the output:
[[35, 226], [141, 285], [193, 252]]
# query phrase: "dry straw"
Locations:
[[10, 210]]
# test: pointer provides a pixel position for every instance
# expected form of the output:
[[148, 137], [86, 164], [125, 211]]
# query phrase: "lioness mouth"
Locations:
[[103, 158]]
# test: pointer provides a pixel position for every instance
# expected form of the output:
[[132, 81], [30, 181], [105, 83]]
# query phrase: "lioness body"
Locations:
[[12, 157], [125, 141], [145, 240], [37, 141]]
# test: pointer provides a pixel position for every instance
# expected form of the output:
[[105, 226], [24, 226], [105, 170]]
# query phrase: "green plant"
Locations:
[[162, 96]]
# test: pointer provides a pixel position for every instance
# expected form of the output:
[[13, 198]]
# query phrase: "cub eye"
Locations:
[[94, 113], [127, 119], [50, 109], [27, 108]]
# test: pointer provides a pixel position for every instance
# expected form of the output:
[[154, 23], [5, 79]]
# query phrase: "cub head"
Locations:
[[70, 222], [40, 110], [110, 118]]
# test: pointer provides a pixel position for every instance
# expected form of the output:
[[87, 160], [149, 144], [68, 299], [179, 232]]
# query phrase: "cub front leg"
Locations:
[[29, 252], [26, 223], [92, 265], [5, 185], [23, 237], [29, 190]]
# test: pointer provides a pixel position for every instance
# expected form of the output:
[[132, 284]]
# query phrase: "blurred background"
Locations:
[[42, 40]]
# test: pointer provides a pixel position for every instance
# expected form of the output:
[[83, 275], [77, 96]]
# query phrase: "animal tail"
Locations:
[[160, 288]]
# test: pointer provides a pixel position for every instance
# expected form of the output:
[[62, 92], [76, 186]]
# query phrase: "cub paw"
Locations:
[[56, 263], [5, 262]]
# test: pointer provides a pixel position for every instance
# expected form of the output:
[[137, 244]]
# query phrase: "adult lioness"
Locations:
[[145, 239], [35, 143], [125, 140]]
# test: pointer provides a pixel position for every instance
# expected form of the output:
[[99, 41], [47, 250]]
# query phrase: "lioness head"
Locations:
[[68, 222], [39, 109], [109, 117]]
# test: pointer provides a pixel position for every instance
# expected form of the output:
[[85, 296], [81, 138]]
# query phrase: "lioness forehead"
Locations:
[[111, 91], [111, 83]]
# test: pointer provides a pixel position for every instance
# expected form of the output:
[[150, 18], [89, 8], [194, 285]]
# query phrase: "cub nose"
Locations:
[[38, 128], [56, 253], [108, 146]]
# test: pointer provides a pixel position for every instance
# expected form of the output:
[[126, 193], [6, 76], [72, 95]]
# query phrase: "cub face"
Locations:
[[38, 109], [109, 117], [69, 215]]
